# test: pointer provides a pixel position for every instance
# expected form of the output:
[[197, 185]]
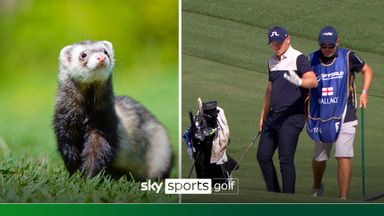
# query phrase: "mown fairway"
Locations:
[[224, 57]]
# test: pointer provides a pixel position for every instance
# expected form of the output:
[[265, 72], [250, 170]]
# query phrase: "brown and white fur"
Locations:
[[97, 131]]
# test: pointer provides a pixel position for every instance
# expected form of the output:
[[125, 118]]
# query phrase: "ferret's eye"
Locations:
[[105, 52], [83, 55]]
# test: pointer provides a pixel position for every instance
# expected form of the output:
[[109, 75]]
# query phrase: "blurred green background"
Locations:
[[32, 32]]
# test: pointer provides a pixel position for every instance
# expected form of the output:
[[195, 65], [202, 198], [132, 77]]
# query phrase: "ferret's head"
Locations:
[[86, 62]]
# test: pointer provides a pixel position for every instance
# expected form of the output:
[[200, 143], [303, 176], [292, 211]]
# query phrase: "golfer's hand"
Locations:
[[363, 100], [293, 78], [261, 125]]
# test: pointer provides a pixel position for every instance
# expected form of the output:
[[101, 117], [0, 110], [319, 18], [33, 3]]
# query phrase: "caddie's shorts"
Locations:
[[343, 144]]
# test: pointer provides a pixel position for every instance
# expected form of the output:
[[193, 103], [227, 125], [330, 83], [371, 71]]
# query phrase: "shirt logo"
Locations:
[[331, 76], [327, 91], [274, 33], [328, 33]]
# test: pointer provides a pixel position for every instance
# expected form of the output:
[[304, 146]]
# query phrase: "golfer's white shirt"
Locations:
[[287, 61]]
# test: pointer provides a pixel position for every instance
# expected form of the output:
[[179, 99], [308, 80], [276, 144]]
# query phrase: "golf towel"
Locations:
[[328, 101], [221, 140]]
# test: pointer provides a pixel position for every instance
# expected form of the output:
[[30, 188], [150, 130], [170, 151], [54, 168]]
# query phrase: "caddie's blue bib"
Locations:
[[328, 101]]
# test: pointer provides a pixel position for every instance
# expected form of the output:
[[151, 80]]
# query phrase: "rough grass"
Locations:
[[42, 180]]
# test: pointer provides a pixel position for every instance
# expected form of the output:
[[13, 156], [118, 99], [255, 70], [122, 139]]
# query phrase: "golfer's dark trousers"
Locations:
[[280, 132]]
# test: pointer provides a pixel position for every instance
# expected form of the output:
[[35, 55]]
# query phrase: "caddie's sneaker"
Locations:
[[317, 192]]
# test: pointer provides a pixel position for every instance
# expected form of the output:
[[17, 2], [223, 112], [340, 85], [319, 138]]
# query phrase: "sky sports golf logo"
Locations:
[[192, 186]]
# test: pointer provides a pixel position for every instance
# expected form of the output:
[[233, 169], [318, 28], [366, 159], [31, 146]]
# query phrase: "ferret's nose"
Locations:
[[100, 58]]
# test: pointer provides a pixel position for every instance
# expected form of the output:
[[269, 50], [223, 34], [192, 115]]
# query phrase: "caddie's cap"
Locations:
[[328, 35], [277, 34]]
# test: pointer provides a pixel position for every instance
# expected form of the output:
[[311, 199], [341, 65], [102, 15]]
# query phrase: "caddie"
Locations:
[[332, 108]]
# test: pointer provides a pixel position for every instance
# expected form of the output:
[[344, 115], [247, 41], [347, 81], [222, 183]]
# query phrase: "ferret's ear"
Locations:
[[108, 44], [65, 55]]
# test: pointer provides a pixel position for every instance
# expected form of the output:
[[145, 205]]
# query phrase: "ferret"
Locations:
[[98, 131]]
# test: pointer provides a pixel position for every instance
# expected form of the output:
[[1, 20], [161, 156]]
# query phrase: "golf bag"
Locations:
[[207, 139]]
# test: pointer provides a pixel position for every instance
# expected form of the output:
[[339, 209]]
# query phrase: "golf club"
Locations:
[[246, 151], [362, 153]]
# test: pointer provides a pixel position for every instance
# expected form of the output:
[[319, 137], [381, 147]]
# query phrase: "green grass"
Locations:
[[225, 55], [43, 180]]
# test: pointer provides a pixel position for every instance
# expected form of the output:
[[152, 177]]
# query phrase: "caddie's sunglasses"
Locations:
[[329, 46]]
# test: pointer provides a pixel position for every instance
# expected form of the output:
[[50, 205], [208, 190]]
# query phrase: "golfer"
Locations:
[[332, 112], [282, 116]]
